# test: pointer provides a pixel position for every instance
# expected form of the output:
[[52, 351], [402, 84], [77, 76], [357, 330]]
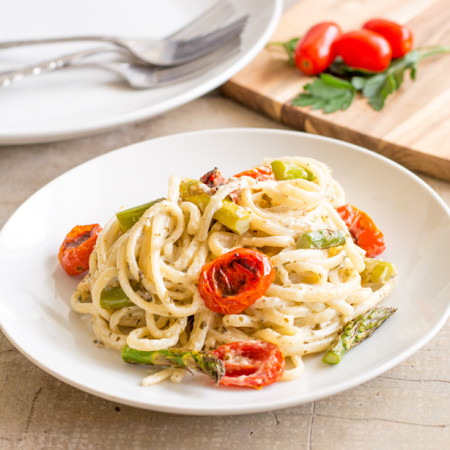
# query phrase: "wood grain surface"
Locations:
[[413, 128]]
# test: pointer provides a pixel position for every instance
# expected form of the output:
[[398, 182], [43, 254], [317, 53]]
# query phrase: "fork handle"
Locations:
[[55, 40], [49, 65]]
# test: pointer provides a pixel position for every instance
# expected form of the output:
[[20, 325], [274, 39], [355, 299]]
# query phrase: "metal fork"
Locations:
[[144, 77], [137, 76], [158, 52], [218, 14]]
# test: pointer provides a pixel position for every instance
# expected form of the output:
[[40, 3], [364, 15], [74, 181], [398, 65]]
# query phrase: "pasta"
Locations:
[[157, 263]]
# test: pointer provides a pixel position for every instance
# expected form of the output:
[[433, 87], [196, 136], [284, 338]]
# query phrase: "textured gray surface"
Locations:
[[407, 407]]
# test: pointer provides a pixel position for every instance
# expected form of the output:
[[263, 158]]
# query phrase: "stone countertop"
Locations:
[[407, 407]]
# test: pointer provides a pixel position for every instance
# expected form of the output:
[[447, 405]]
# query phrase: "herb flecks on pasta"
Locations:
[[142, 292]]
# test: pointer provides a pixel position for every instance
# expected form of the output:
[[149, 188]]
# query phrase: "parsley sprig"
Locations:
[[332, 93], [328, 93]]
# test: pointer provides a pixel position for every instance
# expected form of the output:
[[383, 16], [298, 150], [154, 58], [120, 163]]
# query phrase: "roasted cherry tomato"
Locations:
[[363, 230], [234, 281], [315, 51], [364, 49], [251, 363], [399, 36], [261, 173], [77, 247], [213, 179]]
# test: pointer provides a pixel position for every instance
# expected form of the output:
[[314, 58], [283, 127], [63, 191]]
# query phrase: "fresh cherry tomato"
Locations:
[[364, 49], [363, 230], [251, 363], [77, 247], [261, 173], [234, 281], [315, 51], [400, 37]]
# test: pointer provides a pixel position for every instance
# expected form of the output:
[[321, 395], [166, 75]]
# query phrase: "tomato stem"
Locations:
[[289, 46], [433, 50]]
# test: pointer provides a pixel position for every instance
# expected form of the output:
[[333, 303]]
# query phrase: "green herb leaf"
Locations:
[[373, 85], [358, 82], [376, 101], [334, 81], [377, 88], [412, 57], [398, 76], [327, 93]]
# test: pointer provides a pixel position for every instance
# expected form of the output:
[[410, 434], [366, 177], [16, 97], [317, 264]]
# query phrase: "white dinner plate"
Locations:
[[78, 102], [34, 299]]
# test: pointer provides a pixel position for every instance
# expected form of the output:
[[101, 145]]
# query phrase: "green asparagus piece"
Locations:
[[356, 331], [233, 216], [128, 217], [189, 186], [321, 239], [114, 298], [286, 170], [203, 362], [377, 271]]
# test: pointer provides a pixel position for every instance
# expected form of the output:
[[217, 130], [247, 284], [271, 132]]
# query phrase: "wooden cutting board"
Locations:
[[414, 126]]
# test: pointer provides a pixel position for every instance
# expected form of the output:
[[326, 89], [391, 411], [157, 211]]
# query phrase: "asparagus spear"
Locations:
[[356, 331], [286, 170], [377, 271], [114, 298], [321, 239], [203, 362], [231, 215], [128, 217]]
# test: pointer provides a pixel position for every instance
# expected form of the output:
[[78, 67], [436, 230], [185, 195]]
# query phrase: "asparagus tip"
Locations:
[[331, 358]]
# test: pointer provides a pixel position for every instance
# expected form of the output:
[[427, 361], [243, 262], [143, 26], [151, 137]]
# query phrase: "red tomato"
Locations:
[[251, 363], [77, 247], [364, 49], [213, 179], [315, 51], [261, 173], [234, 281], [363, 230], [400, 37]]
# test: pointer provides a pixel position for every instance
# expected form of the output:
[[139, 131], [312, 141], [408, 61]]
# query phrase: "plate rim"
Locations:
[[142, 114], [268, 405]]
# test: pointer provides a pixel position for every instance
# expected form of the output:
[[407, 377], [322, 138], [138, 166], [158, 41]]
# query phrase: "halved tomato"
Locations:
[[251, 363], [363, 230], [77, 247]]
